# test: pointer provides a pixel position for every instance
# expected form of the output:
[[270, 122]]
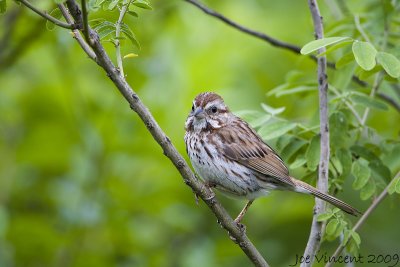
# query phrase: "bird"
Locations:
[[229, 155]]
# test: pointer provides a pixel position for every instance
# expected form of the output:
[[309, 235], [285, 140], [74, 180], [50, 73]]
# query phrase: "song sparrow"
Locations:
[[230, 156]]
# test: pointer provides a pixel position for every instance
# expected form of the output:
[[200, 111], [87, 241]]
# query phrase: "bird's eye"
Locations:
[[214, 109], [193, 107]]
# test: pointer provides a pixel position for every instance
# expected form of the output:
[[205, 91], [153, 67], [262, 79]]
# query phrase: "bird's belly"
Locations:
[[229, 177]]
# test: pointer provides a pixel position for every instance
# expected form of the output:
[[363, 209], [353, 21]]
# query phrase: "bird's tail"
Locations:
[[303, 187]]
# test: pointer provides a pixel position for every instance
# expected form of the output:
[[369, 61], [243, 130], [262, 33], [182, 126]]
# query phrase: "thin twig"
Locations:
[[77, 35], [377, 82], [363, 218], [124, 9], [272, 41], [317, 228], [294, 48], [47, 16], [85, 21], [347, 102], [360, 29], [236, 233]]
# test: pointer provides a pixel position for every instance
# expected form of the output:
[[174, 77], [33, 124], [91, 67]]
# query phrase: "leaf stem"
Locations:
[[122, 13], [360, 29]]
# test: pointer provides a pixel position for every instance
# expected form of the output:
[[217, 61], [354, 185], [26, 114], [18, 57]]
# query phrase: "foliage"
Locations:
[[358, 152], [83, 184]]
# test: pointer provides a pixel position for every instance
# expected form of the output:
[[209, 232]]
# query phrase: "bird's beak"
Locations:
[[199, 113]]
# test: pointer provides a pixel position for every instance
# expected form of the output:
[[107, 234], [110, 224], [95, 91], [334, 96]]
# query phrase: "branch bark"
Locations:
[[76, 34], [363, 218], [317, 228], [237, 234]]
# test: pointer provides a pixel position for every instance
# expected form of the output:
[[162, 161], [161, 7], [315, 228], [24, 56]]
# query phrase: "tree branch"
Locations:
[[76, 34], [314, 239], [237, 234], [363, 218], [274, 42], [85, 22], [48, 17], [294, 48]]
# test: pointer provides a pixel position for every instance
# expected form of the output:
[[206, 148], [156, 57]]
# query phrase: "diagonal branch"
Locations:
[[47, 16], [272, 41], [103, 60], [76, 34], [363, 218], [314, 239], [294, 48]]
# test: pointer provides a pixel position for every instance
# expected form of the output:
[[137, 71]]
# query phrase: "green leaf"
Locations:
[[364, 152], [131, 55], [317, 44], [356, 237], [142, 4], [103, 24], [361, 172], [313, 153], [133, 13], [337, 164], [398, 188], [368, 190], [260, 121], [296, 90], [300, 161], [56, 13], [3, 6], [324, 216], [346, 236], [393, 185], [389, 63], [338, 125], [331, 226], [271, 110], [380, 171], [113, 4], [105, 31], [369, 102], [345, 159], [128, 33], [364, 54], [344, 60], [336, 47], [276, 129], [339, 228], [290, 149]]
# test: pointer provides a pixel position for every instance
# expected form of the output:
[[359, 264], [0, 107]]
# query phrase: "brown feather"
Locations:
[[255, 154], [328, 198]]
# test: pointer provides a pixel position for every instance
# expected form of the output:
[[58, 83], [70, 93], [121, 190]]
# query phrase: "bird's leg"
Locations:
[[243, 212], [209, 185]]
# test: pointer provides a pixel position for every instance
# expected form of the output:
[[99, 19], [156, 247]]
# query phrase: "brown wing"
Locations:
[[248, 149]]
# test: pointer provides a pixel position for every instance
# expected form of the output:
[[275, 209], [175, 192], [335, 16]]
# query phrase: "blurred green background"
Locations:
[[82, 183]]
